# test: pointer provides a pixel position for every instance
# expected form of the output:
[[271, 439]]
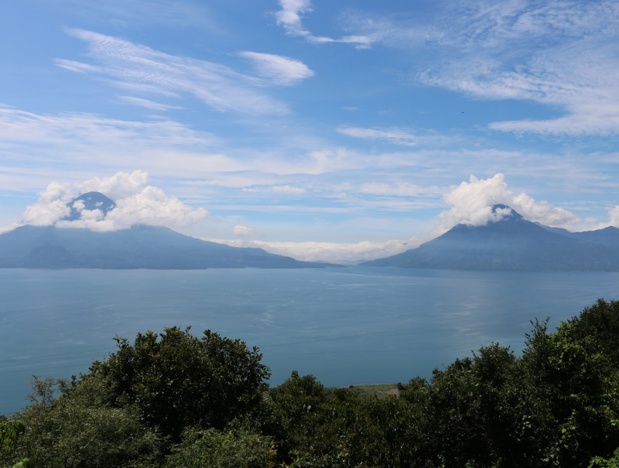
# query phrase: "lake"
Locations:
[[347, 326]]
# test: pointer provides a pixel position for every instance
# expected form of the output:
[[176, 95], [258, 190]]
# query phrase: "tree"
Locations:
[[11, 432], [315, 426], [76, 430], [573, 386], [386, 432], [298, 415], [234, 448], [177, 380]]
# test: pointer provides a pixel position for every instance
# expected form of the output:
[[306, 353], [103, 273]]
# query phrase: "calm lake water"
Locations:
[[347, 326]]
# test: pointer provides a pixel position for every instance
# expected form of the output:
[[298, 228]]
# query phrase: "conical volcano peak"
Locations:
[[503, 212], [89, 201], [511, 242]]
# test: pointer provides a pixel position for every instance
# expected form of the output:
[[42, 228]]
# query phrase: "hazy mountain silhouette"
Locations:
[[512, 243], [608, 237], [138, 247]]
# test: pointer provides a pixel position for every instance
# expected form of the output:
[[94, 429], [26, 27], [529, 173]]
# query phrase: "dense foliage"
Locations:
[[178, 400], [177, 380]]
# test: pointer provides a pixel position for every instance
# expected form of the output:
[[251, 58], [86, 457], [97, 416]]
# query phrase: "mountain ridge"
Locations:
[[140, 246], [512, 243]]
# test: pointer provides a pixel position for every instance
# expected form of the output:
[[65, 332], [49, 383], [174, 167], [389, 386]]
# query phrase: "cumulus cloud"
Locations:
[[136, 202], [472, 204], [51, 207], [118, 186]]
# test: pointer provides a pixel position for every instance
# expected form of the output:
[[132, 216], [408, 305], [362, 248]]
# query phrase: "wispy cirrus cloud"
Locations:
[[277, 69], [74, 129], [146, 103], [560, 54], [291, 18], [161, 12], [281, 189], [62, 143], [395, 136], [139, 68]]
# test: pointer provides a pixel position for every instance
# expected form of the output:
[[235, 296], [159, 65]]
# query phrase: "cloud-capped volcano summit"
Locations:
[[510, 242], [110, 204], [71, 244], [88, 203]]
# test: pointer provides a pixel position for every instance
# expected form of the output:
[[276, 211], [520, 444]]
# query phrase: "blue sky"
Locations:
[[326, 130]]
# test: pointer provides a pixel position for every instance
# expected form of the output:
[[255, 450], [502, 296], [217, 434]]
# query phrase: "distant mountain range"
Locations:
[[513, 243], [138, 247]]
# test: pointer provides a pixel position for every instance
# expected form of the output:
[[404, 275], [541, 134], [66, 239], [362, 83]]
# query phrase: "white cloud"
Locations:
[[120, 185], [147, 103], [51, 207], [284, 189], [77, 67], [88, 131], [472, 204], [614, 216], [60, 143], [560, 54], [290, 17], [153, 207], [150, 12], [288, 190], [400, 189], [136, 203], [543, 212], [331, 252], [277, 69], [142, 69], [242, 231], [392, 135]]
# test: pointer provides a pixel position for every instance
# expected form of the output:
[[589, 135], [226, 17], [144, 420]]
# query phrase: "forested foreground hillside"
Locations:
[[173, 399]]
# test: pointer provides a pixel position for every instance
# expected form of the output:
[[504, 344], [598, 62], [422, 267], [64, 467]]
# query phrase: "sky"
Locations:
[[338, 131]]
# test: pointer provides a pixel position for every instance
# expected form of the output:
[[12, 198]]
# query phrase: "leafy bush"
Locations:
[[234, 448], [177, 380], [72, 432]]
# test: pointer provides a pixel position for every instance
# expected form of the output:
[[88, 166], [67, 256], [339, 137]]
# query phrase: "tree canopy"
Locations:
[[177, 380]]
